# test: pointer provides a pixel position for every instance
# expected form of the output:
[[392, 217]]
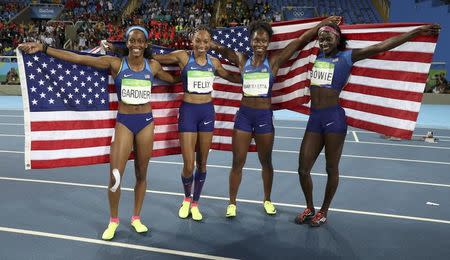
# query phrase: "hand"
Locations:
[[108, 46], [31, 47], [331, 19], [430, 29]]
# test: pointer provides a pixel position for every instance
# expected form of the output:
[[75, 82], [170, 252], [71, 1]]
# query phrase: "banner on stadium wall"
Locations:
[[298, 12], [437, 68], [45, 11]]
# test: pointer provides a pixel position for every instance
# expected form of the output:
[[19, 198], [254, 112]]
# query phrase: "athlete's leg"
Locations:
[[240, 143], [334, 143], [120, 152], [264, 145], [143, 147], [204, 140], [310, 149]]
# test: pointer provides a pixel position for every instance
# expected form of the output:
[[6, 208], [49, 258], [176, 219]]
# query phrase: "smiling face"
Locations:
[[136, 43], [260, 42], [328, 42], [201, 41]]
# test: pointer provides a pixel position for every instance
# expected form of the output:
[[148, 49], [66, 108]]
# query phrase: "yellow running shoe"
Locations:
[[269, 208], [184, 209], [138, 226], [196, 215], [108, 234], [231, 211]]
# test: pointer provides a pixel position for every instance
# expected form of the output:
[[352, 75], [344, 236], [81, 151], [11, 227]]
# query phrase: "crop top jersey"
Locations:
[[332, 72], [198, 79], [134, 87], [257, 81]]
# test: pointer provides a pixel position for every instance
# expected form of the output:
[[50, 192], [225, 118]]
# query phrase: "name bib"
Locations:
[[199, 81], [136, 91], [256, 84], [322, 74]]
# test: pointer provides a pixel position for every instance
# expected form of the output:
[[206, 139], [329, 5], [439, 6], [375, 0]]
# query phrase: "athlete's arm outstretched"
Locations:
[[101, 62], [280, 57], [360, 54]]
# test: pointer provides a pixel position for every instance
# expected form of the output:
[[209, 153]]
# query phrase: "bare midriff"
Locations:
[[323, 97], [257, 102], [197, 98]]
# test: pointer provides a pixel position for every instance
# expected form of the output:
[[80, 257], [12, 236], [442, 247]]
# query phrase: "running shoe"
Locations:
[[318, 219], [108, 234], [305, 216], [196, 215], [231, 211], [138, 226], [184, 209], [269, 208]]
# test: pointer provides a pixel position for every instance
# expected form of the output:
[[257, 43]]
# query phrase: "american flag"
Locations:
[[70, 111], [383, 95]]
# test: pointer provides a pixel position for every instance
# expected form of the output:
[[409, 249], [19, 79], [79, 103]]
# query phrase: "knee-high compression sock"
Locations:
[[199, 180], [187, 185]]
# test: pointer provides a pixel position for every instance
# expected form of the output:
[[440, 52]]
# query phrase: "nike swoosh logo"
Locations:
[[329, 124], [148, 119], [205, 123], [127, 75], [262, 125]]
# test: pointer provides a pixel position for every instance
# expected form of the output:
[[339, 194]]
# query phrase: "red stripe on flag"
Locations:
[[69, 162], [384, 92], [72, 125], [390, 74], [376, 36], [390, 131], [404, 56], [379, 110]]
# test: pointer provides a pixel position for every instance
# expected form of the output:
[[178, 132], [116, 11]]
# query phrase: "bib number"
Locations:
[[322, 74], [200, 81], [256, 84], [136, 91]]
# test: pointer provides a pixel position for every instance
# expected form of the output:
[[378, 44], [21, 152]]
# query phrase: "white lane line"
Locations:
[[285, 171], [373, 157], [442, 221], [358, 131], [6, 151], [377, 143], [344, 155], [109, 243], [321, 174], [355, 136], [11, 115], [9, 124], [347, 141]]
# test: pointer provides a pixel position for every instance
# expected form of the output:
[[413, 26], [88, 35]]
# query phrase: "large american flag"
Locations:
[[60, 132], [384, 93]]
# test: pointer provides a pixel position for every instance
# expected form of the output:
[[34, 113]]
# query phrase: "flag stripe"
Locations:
[[389, 74], [384, 92]]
